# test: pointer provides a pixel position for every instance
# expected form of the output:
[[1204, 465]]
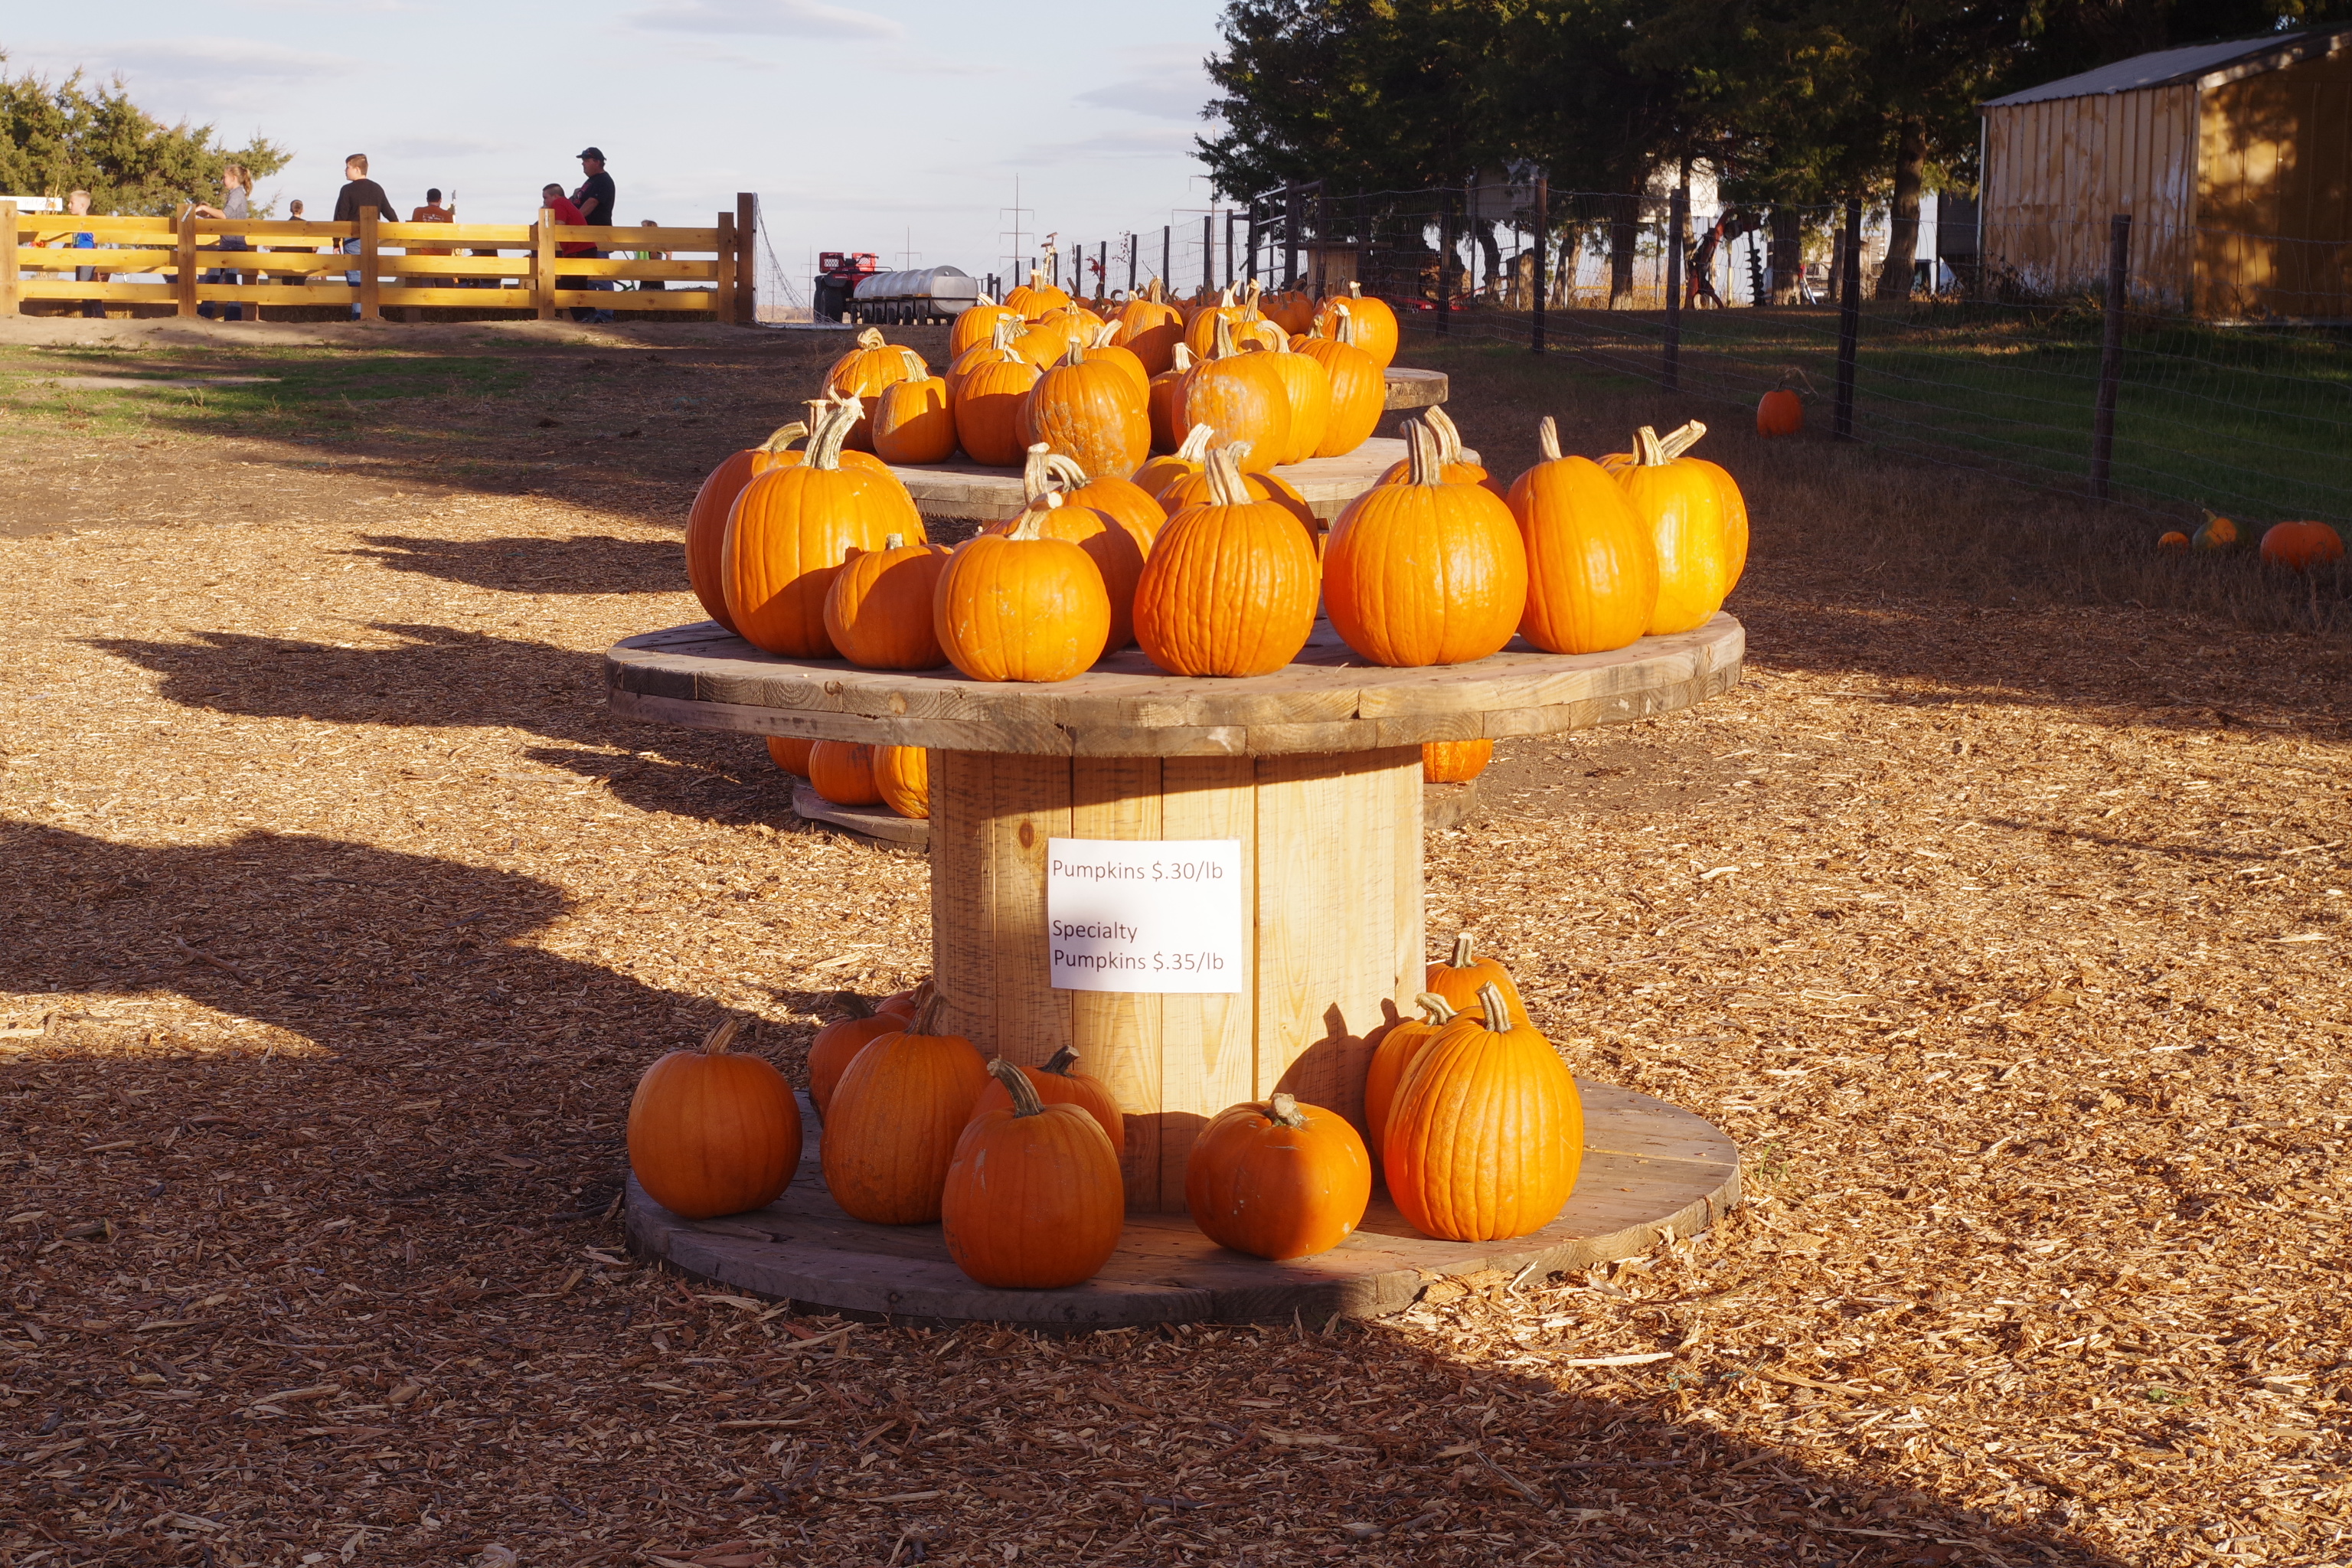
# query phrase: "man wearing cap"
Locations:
[[594, 200]]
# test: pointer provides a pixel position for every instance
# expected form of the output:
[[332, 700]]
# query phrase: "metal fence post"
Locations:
[[2111, 356], [1677, 220], [1291, 207], [1446, 263], [1168, 258], [1849, 317], [1542, 278]]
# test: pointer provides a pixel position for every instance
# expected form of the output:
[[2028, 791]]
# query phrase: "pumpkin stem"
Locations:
[[1065, 471], [1036, 472], [1226, 487], [853, 1006], [1681, 439], [1439, 1011], [927, 1022], [871, 338], [1107, 337], [1195, 448], [1062, 1061], [719, 1038], [1425, 456], [1283, 1110], [1449, 435], [1498, 1015], [781, 439], [1547, 438], [916, 369], [1031, 524], [1003, 329], [1076, 352], [826, 441], [893, 542], [1347, 329], [982, 300], [1648, 453], [1462, 950], [1017, 1083], [1184, 360]]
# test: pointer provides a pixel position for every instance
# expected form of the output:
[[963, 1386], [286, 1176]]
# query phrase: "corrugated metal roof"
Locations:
[[2169, 67]]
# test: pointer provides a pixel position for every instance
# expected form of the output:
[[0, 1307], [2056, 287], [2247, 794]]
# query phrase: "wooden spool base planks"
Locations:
[[1442, 805], [1648, 1167]]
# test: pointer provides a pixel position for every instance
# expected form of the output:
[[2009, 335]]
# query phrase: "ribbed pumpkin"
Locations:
[[878, 610], [1376, 324], [1104, 346], [1395, 1049], [1164, 401], [863, 372], [1118, 549], [1123, 500], [1048, 338], [987, 405], [1427, 571], [1020, 605], [1242, 395], [837, 1045], [998, 344], [2173, 541], [1459, 470], [1308, 387], [1463, 975], [912, 420], [1231, 584], [1455, 762], [1681, 504], [975, 324], [789, 754], [1059, 1083], [1150, 328], [1277, 1179], [706, 520], [902, 777], [1486, 1137], [1189, 457], [713, 1132], [788, 531], [1780, 411], [1089, 410], [1034, 1200], [1358, 390], [1593, 567], [895, 1118], [2300, 546], [1200, 325], [843, 772], [1037, 298], [1193, 490]]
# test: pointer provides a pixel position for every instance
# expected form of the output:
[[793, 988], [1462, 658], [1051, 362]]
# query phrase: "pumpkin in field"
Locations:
[[713, 1133], [1117, 548], [2300, 546], [1021, 604], [1242, 395], [878, 608], [1428, 571], [863, 372], [1464, 975], [912, 420], [1150, 328], [988, 407], [843, 772], [1164, 400], [1059, 1083], [1033, 1196], [1376, 324], [902, 777], [1682, 506], [1780, 411], [1104, 346], [2173, 541], [789, 754], [1308, 388], [1486, 1136], [1089, 410], [1230, 586], [1279, 1179], [2217, 533], [1358, 390], [895, 1113], [837, 1045], [789, 530], [1037, 298], [1459, 470], [1455, 762], [1395, 1049], [975, 324], [1593, 567]]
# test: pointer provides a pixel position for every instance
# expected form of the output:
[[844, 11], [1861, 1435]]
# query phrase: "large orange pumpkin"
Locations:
[[1397, 1048], [878, 610], [1463, 975], [1486, 1136], [1242, 395], [1593, 567], [706, 520], [1358, 390], [1059, 1083], [1151, 329], [997, 346], [713, 1133], [975, 324], [863, 372], [1459, 470], [1425, 573], [837, 1045], [895, 1118], [1230, 586], [2300, 546], [1308, 388], [902, 777], [913, 422], [1279, 1179], [1089, 410], [1681, 503], [1455, 762], [1118, 549], [1033, 1196], [988, 407], [843, 772], [789, 530], [1376, 324], [1020, 606]]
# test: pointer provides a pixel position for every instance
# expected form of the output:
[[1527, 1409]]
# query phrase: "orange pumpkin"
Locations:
[[1193, 490], [1359, 390], [902, 777], [912, 420], [975, 324], [1033, 1196], [1164, 401], [1459, 470], [1242, 395], [1395, 1049], [843, 772], [1308, 388], [2173, 540], [998, 344], [1118, 549], [837, 1045], [1681, 503], [1230, 586], [1189, 457], [713, 1133], [789, 754], [987, 405], [706, 519], [1201, 326], [896, 1115], [1048, 339], [1037, 298], [1059, 1083], [878, 610], [1124, 501], [1277, 1179], [1780, 411], [1593, 567], [1376, 323], [863, 372], [1425, 573], [2300, 546], [1150, 328], [2217, 533], [1090, 410], [1455, 762], [1104, 346], [1020, 606], [1461, 978], [907, 1003]]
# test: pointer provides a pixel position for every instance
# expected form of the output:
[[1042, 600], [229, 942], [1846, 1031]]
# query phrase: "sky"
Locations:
[[894, 126]]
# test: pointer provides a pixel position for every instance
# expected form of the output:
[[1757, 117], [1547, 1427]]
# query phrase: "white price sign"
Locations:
[[1145, 914]]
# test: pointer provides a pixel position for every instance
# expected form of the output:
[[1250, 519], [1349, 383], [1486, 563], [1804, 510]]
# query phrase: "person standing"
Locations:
[[77, 206], [565, 215], [359, 191], [594, 199], [432, 212], [237, 203]]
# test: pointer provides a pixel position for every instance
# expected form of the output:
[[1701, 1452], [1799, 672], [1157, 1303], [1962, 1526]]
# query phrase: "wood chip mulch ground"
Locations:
[[2010, 941]]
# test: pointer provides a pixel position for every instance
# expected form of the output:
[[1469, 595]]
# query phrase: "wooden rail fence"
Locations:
[[464, 266]]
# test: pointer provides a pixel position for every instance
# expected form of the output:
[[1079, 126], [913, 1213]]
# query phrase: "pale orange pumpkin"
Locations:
[[1242, 395], [1681, 503], [1090, 410], [1230, 586], [1425, 573]]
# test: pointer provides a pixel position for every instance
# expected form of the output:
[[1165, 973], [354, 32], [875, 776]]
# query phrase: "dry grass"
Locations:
[[2008, 940]]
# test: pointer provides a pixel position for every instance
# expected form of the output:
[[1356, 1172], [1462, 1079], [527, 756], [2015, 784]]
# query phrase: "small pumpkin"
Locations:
[[902, 777], [837, 1045], [1118, 549], [1033, 1198], [1376, 323], [1430, 572], [1682, 505], [1241, 393], [1089, 410], [1593, 566], [1463, 975], [1358, 390], [912, 420], [1277, 1179], [789, 754], [1780, 411], [1455, 762], [1200, 325], [2173, 541], [1124, 501], [2300, 546], [1230, 586], [1395, 1049], [1059, 1083], [987, 405], [863, 372], [843, 772], [1020, 606], [877, 610], [2217, 534], [712, 1131], [1037, 298], [896, 1115], [907, 1003], [1458, 468], [1485, 1137], [997, 346]]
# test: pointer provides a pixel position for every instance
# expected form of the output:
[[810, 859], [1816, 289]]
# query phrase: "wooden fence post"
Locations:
[[747, 270], [2111, 356], [723, 306], [1849, 317], [8, 266], [1542, 278], [543, 264], [371, 292], [1677, 222], [184, 284]]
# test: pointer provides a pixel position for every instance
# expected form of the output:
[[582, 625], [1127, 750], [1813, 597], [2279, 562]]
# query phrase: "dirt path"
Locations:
[[2008, 940]]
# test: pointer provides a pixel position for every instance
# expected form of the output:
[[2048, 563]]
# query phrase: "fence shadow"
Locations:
[[582, 563]]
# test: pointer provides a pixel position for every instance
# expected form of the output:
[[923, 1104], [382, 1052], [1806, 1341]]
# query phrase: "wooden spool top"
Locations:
[[1415, 388], [1330, 700]]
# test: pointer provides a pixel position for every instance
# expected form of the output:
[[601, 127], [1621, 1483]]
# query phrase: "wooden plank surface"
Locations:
[[1415, 388], [873, 821]]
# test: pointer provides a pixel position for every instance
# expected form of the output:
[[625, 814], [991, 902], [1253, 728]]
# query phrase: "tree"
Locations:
[[56, 137]]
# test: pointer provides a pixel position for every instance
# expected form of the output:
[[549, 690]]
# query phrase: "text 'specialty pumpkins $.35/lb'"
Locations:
[[713, 1133], [1033, 1198], [896, 1115], [1279, 1179]]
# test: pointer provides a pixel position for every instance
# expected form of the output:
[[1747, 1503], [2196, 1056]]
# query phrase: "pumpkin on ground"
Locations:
[[789, 754], [2173, 540], [863, 372], [1593, 566], [1458, 468], [843, 772], [2300, 546], [1486, 1136], [1463, 975], [1455, 762], [1395, 1049], [913, 422], [713, 1133], [1242, 395], [987, 405], [1022, 605], [1089, 410], [1230, 586], [1376, 324], [837, 1045], [902, 777], [2217, 534], [1681, 504], [1358, 390], [1279, 1179], [1033, 1196], [1059, 1083], [1780, 411], [878, 610], [1118, 549], [1428, 571], [895, 1117]]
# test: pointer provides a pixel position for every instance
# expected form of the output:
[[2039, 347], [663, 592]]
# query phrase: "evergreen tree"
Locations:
[[59, 137]]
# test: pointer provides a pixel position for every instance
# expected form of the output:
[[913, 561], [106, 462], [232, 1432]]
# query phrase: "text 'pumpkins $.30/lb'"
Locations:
[[1682, 505], [1396, 1046], [713, 1133], [1118, 549], [1455, 762], [790, 753], [895, 1117], [1593, 566], [1059, 1083], [1425, 573], [1462, 974], [1033, 1198], [863, 372], [837, 1044], [1241, 394], [1486, 1135], [987, 402], [1020, 605], [902, 776], [1089, 410], [843, 772], [1279, 1179], [788, 531], [878, 610], [1231, 584]]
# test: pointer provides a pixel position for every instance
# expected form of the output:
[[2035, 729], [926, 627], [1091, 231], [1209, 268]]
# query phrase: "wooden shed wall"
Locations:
[[2055, 172], [2275, 192]]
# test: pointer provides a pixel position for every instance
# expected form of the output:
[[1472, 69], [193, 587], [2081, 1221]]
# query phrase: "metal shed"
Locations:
[[2233, 159]]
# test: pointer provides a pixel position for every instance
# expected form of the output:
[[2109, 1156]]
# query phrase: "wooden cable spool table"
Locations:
[[1309, 779]]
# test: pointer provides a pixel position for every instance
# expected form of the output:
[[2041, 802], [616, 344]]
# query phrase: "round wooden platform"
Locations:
[[1442, 805], [1415, 388], [1648, 1166]]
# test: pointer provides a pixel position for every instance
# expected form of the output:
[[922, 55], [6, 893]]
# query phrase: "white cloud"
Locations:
[[770, 19], [1156, 141], [1171, 97], [438, 147], [170, 77]]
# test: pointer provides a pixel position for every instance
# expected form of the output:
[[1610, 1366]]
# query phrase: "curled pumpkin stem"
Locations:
[[1184, 360], [1681, 439], [781, 438], [1030, 524], [1499, 1013], [1107, 336], [1449, 437], [1438, 1009], [1003, 331], [1648, 452], [723, 1036], [1425, 453], [1226, 486], [1283, 1110], [825, 440], [871, 338], [927, 1021], [1195, 448], [1017, 1083]]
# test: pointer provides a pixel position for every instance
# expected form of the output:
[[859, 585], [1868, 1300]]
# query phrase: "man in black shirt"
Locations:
[[594, 200], [358, 192]]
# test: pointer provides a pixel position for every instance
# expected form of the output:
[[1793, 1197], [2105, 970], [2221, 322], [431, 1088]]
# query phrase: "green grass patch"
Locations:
[[296, 388]]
